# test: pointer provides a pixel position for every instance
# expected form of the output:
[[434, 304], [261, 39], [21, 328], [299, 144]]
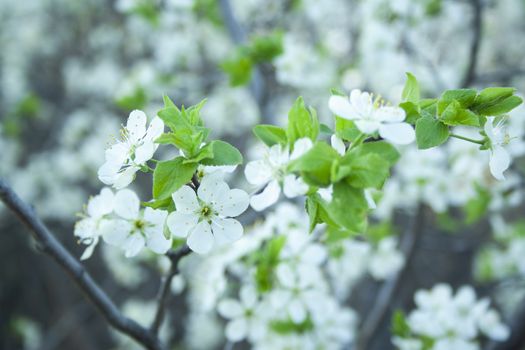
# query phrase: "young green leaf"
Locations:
[[270, 134], [454, 114], [223, 154], [411, 90], [316, 164], [302, 122], [430, 133], [170, 175]]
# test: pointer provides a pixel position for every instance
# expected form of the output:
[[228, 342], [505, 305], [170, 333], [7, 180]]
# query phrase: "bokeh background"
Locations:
[[71, 71]]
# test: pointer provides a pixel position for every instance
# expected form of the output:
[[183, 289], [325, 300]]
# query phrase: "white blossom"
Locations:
[[371, 117], [88, 229], [499, 157], [270, 174], [243, 315], [133, 229], [205, 217], [126, 157]]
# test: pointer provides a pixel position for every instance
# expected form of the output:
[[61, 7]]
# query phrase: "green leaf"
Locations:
[[223, 154], [496, 101], [266, 47], [316, 164], [302, 122], [267, 261], [382, 148], [455, 114], [325, 129], [135, 100], [411, 110], [165, 204], [168, 103], [205, 152], [239, 69], [411, 90], [171, 175], [430, 133], [465, 97], [346, 129], [348, 207], [400, 325], [270, 134], [477, 206], [363, 171]]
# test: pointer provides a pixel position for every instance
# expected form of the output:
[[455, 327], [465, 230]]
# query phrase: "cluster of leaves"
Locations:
[[363, 166], [188, 134], [263, 48], [434, 117]]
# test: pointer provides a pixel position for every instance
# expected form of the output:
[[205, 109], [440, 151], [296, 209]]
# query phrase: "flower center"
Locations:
[[139, 225], [206, 212]]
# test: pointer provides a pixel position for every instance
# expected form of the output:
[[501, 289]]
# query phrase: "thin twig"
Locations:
[[386, 295], [175, 257], [470, 74], [51, 246]]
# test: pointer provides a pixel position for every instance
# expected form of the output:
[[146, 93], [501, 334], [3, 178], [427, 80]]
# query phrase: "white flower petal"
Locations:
[[233, 203], [297, 311], [117, 153], [236, 330], [248, 296], [133, 245], [226, 230], [144, 152], [230, 308], [338, 144], [102, 204], [185, 200], [201, 239], [89, 250], [212, 188], [155, 129], [286, 276], [300, 147], [294, 186], [499, 162], [389, 114], [267, 197], [180, 224], [115, 232], [367, 126], [258, 172], [398, 133], [108, 172], [340, 106], [136, 125], [124, 178], [157, 242], [127, 204]]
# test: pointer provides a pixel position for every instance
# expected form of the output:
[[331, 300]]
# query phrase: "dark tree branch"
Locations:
[[51, 246], [175, 257], [386, 295], [470, 74]]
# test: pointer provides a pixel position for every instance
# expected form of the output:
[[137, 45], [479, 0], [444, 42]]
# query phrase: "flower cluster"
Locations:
[[447, 321]]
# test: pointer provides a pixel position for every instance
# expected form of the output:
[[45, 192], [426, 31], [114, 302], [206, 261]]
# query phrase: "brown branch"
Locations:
[[51, 246], [470, 74], [379, 312], [175, 257]]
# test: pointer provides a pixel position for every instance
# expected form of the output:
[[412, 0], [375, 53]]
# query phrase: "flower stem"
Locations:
[[479, 142], [358, 140]]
